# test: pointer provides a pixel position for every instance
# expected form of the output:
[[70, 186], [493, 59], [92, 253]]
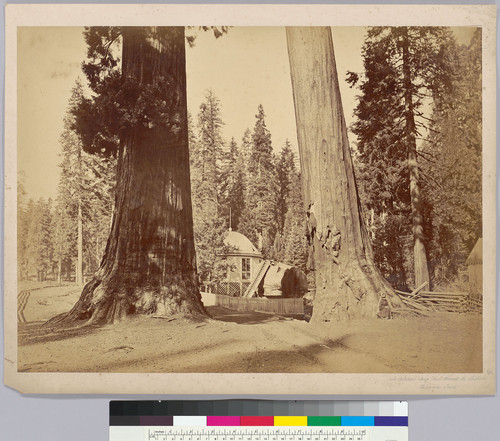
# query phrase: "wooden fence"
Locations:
[[276, 306], [442, 301]]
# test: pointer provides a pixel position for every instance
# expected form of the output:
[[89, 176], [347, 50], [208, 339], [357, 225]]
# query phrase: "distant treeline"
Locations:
[[53, 233]]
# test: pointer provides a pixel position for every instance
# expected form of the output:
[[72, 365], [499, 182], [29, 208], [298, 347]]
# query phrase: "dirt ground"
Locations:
[[244, 342]]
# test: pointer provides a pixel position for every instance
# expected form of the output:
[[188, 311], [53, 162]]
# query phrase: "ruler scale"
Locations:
[[256, 434], [255, 421]]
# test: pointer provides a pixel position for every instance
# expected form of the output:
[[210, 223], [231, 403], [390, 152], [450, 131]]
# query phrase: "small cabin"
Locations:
[[243, 260], [475, 268], [250, 275]]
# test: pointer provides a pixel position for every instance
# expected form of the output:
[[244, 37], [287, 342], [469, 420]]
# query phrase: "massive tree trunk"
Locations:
[[419, 253], [348, 285], [149, 262]]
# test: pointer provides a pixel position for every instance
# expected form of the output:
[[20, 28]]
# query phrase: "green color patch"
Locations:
[[323, 421]]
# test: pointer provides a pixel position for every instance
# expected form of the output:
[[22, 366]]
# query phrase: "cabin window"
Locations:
[[245, 268]]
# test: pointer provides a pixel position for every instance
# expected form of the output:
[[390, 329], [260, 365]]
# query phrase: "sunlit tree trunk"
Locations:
[[59, 272], [419, 253], [348, 285], [79, 259]]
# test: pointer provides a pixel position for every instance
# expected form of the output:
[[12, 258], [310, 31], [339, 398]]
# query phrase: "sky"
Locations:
[[246, 67]]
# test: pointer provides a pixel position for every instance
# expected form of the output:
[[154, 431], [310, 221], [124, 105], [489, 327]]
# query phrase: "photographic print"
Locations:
[[244, 207]]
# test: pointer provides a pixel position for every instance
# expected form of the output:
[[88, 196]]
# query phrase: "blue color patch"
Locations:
[[357, 421]]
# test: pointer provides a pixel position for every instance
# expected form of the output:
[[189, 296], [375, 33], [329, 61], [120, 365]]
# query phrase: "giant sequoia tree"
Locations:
[[347, 282], [139, 113]]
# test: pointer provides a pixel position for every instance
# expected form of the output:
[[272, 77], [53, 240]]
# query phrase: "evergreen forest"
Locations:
[[416, 143]]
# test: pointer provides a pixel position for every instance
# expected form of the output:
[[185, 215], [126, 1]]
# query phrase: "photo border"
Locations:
[[253, 15]]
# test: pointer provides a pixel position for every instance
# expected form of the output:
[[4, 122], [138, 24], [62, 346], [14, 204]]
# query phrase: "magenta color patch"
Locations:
[[223, 420]]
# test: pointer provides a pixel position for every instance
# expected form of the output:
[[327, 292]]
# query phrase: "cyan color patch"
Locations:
[[357, 421]]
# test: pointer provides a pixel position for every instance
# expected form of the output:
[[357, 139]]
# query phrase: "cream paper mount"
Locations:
[[146, 355]]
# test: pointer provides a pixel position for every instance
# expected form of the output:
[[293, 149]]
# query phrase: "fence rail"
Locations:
[[276, 306], [442, 301]]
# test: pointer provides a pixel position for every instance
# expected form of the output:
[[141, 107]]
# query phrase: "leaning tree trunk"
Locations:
[[149, 262], [348, 285], [419, 253]]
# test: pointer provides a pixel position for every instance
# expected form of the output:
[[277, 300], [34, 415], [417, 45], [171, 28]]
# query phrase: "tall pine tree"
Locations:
[[259, 217], [234, 185], [295, 247], [85, 200], [71, 186], [22, 230], [207, 156], [405, 67], [452, 159], [39, 249], [290, 244], [285, 171]]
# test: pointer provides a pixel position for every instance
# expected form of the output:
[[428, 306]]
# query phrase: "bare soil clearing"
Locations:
[[246, 342]]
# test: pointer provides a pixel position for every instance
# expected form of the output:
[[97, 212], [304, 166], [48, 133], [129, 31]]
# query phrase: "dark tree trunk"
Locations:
[[419, 253], [79, 259], [348, 284], [149, 262]]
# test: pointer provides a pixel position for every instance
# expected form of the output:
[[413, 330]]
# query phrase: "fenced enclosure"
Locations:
[[275, 306], [233, 289]]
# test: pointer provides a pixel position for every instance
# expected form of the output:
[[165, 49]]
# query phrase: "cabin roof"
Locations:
[[240, 245]]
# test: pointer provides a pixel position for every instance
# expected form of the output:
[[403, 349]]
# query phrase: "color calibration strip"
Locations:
[[263, 421], [260, 413]]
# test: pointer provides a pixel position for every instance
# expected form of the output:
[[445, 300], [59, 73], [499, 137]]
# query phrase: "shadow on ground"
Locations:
[[39, 332], [306, 359], [244, 317]]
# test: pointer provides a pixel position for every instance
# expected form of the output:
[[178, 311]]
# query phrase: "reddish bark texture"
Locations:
[[149, 265]]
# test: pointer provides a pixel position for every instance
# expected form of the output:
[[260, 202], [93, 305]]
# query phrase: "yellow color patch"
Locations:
[[290, 421]]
